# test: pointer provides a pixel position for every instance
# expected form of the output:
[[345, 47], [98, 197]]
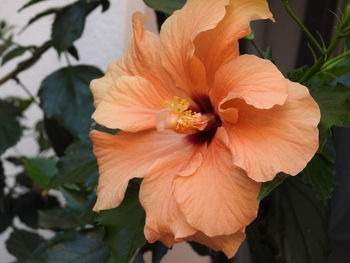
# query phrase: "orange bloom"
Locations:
[[202, 125]]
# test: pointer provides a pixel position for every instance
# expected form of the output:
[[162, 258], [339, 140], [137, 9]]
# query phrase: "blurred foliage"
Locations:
[[292, 221]]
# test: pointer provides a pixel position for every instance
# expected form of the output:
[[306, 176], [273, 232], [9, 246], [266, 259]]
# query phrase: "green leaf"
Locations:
[[268, 187], [251, 36], [58, 219], [165, 6], [22, 243], [41, 136], [59, 137], [41, 170], [29, 3], [305, 223], [291, 226], [10, 129], [6, 213], [296, 74], [334, 104], [105, 5], [319, 173], [13, 53], [42, 14], [124, 227], [77, 166], [68, 25], [74, 52], [76, 213], [65, 96], [27, 205], [73, 247], [21, 104], [23, 180]]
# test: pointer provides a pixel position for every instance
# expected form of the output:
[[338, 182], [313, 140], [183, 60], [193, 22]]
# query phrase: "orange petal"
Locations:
[[177, 35], [141, 59], [281, 139], [256, 80], [131, 105], [218, 199], [219, 45], [127, 155], [99, 88], [194, 162], [156, 196], [153, 236], [227, 244]]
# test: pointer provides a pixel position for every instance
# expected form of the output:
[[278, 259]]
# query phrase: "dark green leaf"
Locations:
[[29, 3], [5, 203], [60, 138], [305, 223], [58, 219], [319, 173], [79, 201], [35, 18], [77, 166], [68, 25], [124, 227], [27, 205], [268, 187], [340, 71], [344, 79], [165, 6], [21, 104], [23, 180], [13, 53], [10, 129], [41, 137], [296, 74], [74, 52], [76, 213], [5, 46], [73, 247], [22, 243], [334, 104], [41, 170], [291, 226], [65, 96], [6, 213], [105, 5], [101, 128], [8, 107]]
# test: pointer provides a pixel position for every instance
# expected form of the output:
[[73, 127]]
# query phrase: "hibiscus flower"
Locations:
[[202, 125]]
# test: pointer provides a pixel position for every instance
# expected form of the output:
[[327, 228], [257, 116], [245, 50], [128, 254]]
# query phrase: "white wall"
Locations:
[[105, 39]]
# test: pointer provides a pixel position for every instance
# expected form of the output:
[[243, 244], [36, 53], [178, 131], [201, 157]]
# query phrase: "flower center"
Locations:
[[185, 118], [178, 116]]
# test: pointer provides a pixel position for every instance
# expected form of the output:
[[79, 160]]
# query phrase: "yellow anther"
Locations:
[[177, 104], [185, 120], [180, 107]]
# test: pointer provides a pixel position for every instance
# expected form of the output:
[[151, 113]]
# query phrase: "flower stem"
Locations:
[[32, 97], [302, 27], [335, 61], [323, 59]]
